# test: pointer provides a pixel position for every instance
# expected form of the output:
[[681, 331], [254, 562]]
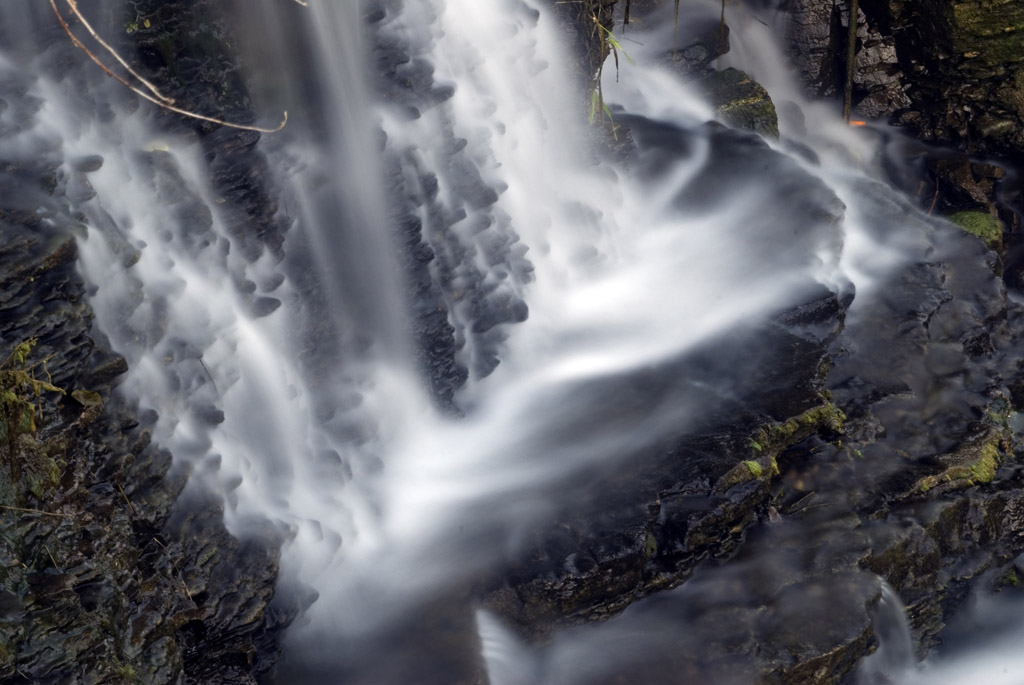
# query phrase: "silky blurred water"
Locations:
[[387, 502]]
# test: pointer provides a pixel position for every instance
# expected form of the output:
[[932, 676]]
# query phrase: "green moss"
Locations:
[[1011, 578], [973, 464], [206, 554], [29, 462], [87, 398], [650, 546], [770, 440], [42, 475], [988, 32], [825, 416], [981, 224], [984, 470], [741, 102], [743, 472], [127, 673]]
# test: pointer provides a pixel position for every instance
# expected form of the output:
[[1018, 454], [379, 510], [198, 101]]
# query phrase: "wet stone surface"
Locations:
[[106, 576]]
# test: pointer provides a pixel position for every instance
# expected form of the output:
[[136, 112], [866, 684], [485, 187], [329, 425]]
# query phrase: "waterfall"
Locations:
[[438, 188], [894, 660]]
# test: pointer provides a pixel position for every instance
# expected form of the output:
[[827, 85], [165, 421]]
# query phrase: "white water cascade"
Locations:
[[286, 379]]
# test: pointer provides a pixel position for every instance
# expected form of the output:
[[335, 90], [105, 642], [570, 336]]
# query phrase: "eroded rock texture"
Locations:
[[106, 576], [951, 71]]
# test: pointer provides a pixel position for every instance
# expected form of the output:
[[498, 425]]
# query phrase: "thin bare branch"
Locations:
[[34, 511], [851, 57], [303, 3], [147, 96], [128, 501], [73, 6], [180, 577]]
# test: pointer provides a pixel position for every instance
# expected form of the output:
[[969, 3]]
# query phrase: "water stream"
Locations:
[[286, 378]]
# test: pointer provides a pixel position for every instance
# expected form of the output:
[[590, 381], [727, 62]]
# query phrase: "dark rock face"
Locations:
[[106, 575], [183, 45], [966, 69], [930, 420], [951, 71], [459, 307], [890, 450], [816, 44], [948, 72], [692, 501], [819, 33], [100, 579]]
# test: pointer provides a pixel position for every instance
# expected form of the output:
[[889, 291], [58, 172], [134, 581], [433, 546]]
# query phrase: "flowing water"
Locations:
[[286, 377]]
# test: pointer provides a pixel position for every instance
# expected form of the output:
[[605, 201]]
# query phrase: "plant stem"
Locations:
[[851, 53]]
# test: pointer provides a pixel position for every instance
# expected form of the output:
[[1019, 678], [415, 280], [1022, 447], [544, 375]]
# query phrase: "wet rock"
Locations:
[[691, 501], [740, 101], [698, 43], [265, 306], [87, 164], [184, 47], [945, 69], [818, 35], [462, 261], [816, 43], [91, 567], [588, 50]]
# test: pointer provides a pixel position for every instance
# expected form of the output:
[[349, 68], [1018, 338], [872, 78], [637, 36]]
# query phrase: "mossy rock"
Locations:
[[769, 441], [981, 224], [988, 31], [773, 438], [975, 463], [741, 102]]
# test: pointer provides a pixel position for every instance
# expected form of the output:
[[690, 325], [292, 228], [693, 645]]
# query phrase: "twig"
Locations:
[[675, 29], [34, 511], [150, 98], [55, 564], [73, 6], [934, 200], [851, 53], [127, 501], [203, 364], [180, 577], [721, 28]]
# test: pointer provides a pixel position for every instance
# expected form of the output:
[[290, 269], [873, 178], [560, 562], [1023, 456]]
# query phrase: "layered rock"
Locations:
[[104, 576], [107, 575]]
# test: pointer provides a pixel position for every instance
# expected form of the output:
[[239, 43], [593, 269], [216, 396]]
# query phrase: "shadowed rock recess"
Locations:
[[884, 444]]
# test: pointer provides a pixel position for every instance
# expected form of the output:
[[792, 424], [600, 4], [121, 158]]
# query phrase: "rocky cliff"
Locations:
[[887, 445]]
